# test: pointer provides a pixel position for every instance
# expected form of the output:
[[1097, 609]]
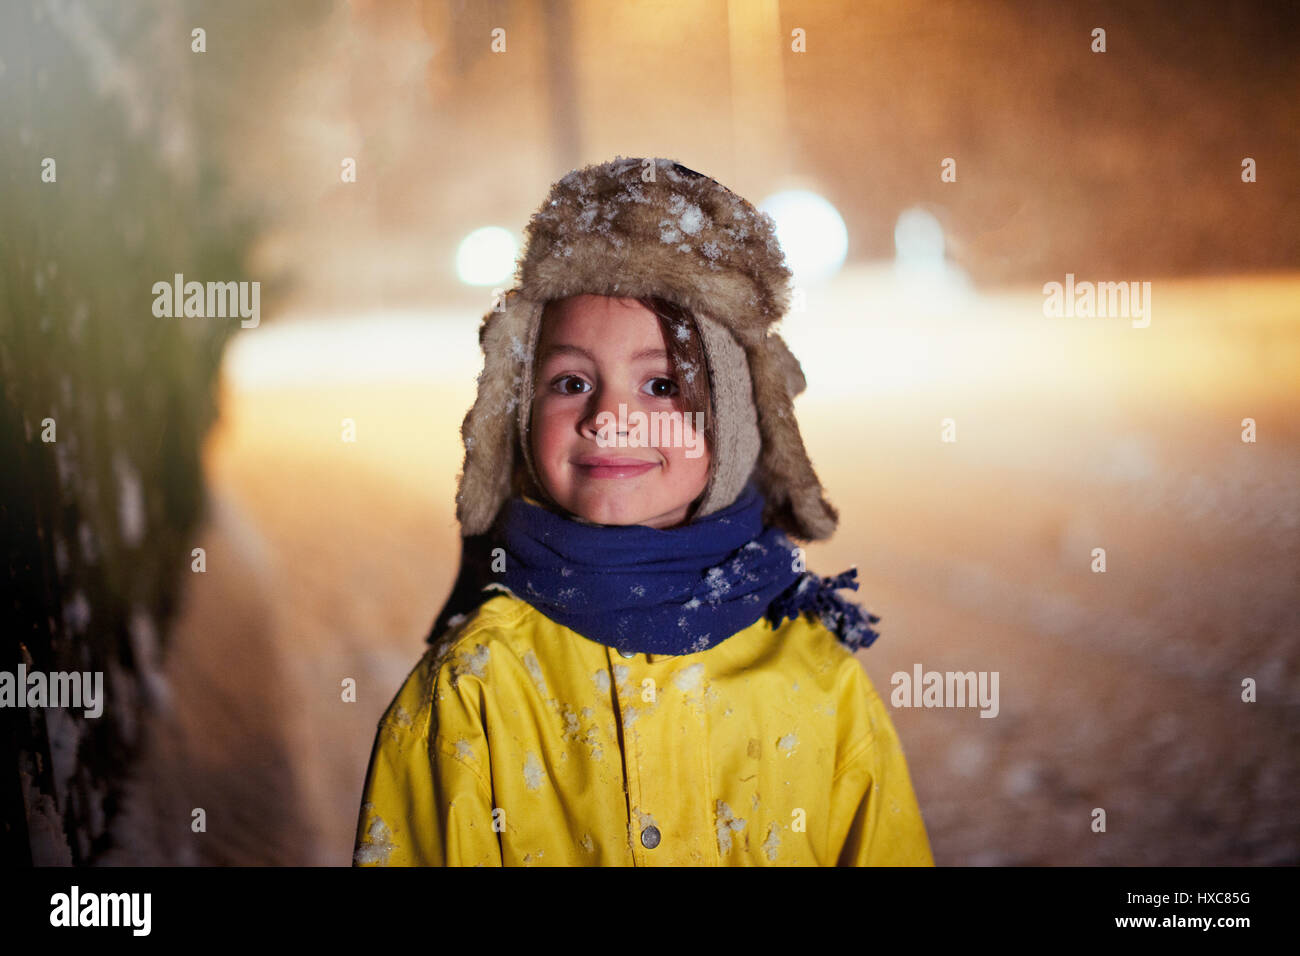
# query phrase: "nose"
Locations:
[[602, 407]]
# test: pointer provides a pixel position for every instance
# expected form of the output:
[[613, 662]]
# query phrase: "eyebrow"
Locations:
[[573, 349]]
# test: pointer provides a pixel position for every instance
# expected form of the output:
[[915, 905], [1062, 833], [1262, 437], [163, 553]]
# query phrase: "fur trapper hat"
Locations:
[[652, 227]]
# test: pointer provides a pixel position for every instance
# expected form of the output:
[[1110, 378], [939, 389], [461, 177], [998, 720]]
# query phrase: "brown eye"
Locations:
[[663, 387], [561, 384]]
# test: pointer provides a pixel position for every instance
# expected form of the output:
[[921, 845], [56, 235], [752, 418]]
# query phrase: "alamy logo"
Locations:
[[658, 430], [217, 300], [102, 909], [1102, 299], [949, 689], [59, 689]]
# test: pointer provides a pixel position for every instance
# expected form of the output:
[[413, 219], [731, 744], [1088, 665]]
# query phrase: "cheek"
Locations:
[[689, 462], [549, 429]]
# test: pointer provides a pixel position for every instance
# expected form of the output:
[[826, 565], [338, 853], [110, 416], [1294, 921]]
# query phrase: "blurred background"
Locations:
[[373, 164]]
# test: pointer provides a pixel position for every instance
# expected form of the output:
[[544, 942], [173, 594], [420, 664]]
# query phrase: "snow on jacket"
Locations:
[[516, 741]]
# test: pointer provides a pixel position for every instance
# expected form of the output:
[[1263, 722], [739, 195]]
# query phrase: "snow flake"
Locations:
[[574, 732], [726, 824], [689, 679], [601, 677], [518, 352], [535, 672], [376, 845], [788, 743], [717, 583], [474, 663], [773, 842], [533, 772], [692, 219]]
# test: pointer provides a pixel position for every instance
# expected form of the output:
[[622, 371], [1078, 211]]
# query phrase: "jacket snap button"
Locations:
[[627, 654], [650, 837]]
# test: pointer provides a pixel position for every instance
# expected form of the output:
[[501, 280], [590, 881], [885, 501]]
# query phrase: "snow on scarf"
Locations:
[[669, 591]]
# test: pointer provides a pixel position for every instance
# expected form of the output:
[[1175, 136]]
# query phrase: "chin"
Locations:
[[626, 501], [612, 507], [617, 502]]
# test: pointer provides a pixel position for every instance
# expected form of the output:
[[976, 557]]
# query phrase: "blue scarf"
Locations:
[[669, 591]]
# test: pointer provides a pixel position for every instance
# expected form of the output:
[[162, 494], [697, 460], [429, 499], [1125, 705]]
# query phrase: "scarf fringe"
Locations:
[[817, 595]]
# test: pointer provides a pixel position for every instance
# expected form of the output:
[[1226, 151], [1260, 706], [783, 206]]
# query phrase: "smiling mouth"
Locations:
[[613, 467]]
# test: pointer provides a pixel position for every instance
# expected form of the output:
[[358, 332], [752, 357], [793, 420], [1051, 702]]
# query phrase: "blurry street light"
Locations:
[[811, 232], [486, 256]]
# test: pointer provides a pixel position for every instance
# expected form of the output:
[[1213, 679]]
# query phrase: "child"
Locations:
[[638, 670]]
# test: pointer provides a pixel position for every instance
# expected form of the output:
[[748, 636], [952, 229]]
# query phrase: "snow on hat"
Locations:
[[633, 228]]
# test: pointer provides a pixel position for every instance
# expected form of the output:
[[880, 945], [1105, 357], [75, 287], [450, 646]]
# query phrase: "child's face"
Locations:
[[645, 485]]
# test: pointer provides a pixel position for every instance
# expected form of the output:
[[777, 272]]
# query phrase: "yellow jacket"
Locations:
[[516, 741]]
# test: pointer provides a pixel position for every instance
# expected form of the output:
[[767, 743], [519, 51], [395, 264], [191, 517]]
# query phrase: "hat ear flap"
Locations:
[[489, 431], [737, 442], [795, 501], [791, 370]]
